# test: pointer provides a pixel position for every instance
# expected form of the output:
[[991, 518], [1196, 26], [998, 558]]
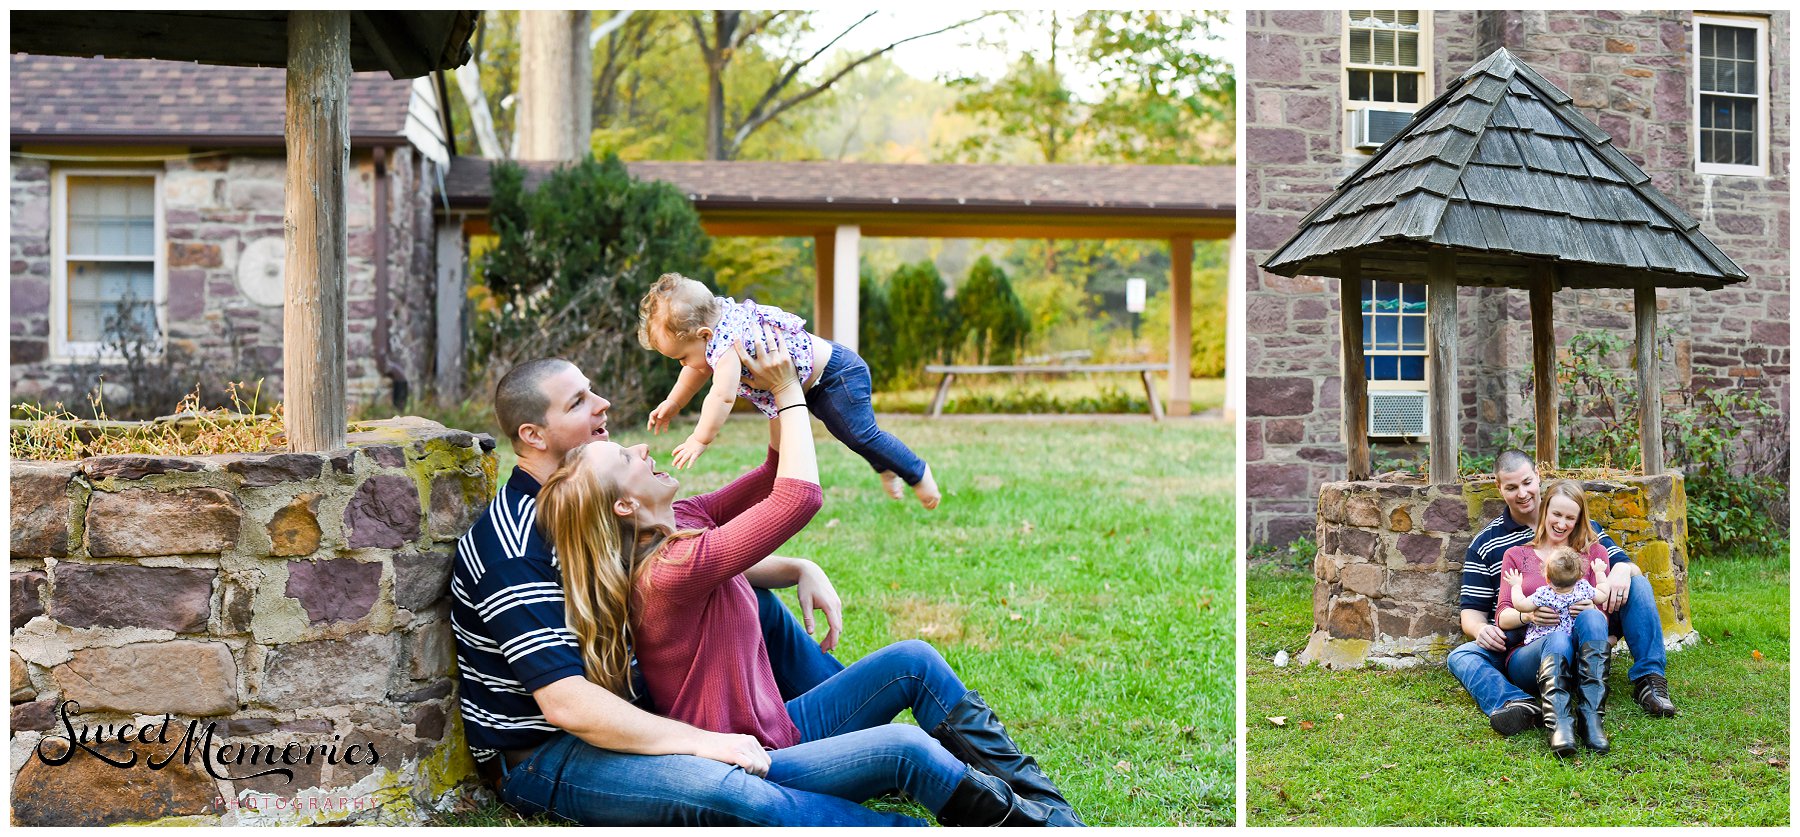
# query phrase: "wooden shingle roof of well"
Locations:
[[1503, 170]]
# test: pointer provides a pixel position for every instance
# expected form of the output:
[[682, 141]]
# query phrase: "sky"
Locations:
[[953, 53]]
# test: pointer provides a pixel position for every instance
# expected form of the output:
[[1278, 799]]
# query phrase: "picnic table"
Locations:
[[1143, 369]]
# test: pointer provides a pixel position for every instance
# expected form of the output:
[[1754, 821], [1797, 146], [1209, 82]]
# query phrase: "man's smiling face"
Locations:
[[575, 415], [1519, 488]]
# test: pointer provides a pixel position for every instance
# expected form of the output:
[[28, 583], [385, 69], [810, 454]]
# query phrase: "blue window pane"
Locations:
[[1387, 332], [1368, 298], [1412, 334], [1368, 329], [1383, 368], [1414, 293], [1412, 368]]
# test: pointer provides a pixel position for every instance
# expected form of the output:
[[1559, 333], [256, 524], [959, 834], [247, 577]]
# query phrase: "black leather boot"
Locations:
[[1593, 663], [982, 800], [972, 733], [1554, 698]]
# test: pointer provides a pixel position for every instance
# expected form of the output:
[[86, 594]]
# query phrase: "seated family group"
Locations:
[[622, 661], [1543, 590]]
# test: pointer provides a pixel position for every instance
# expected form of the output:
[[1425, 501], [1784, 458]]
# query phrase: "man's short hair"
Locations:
[[520, 397], [1512, 459]]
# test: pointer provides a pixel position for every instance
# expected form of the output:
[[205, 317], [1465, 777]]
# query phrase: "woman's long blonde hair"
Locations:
[[602, 562], [1583, 533]]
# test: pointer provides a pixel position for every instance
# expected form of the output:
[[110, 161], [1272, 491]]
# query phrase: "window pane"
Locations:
[[112, 216], [1415, 297], [1408, 49], [100, 291], [1384, 87], [1359, 85], [1412, 334], [1744, 150], [1359, 46], [1412, 368], [1384, 49], [1383, 368], [1387, 333], [1409, 88]]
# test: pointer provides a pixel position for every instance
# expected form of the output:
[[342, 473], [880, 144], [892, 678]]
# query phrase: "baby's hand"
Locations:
[[1512, 577], [689, 451], [1599, 568], [659, 417]]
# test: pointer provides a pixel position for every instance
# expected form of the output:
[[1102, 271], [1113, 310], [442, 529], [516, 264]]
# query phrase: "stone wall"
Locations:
[[1388, 573], [214, 210], [1627, 71], [281, 598]]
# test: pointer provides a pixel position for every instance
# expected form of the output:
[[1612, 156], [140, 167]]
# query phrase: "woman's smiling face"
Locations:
[[1561, 516]]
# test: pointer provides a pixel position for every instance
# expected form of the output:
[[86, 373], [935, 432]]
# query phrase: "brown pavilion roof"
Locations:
[[1503, 170]]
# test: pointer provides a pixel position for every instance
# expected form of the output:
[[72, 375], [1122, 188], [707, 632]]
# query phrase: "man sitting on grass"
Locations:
[[1630, 607], [553, 742]]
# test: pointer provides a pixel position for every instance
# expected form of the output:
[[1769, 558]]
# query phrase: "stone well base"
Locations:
[[291, 606], [1389, 564]]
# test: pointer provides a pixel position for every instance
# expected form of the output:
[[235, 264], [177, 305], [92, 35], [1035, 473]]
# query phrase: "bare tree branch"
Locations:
[[607, 28]]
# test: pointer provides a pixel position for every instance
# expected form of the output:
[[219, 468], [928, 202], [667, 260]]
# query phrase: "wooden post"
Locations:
[[1649, 394], [1355, 404], [824, 274], [318, 155], [1181, 327], [1440, 320], [1543, 360], [846, 277], [452, 292]]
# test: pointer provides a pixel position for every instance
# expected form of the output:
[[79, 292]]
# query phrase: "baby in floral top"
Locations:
[[681, 319], [1564, 586]]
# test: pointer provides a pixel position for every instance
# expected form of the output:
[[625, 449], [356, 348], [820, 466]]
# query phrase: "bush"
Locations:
[[922, 318], [875, 331], [989, 315], [571, 262]]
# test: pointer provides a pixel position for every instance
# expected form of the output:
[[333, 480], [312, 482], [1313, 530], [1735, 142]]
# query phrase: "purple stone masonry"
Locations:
[[1630, 73], [290, 600], [1386, 583]]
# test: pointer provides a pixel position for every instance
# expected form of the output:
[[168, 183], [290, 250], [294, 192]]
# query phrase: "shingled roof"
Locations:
[[1196, 191], [1505, 171], [111, 100]]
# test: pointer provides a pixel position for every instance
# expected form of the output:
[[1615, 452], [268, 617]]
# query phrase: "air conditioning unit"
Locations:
[[1370, 128], [1399, 413]]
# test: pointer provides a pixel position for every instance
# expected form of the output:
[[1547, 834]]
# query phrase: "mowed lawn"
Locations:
[[1079, 573], [1370, 747]]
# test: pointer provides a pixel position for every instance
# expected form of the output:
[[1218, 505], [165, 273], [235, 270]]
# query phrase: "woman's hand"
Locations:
[[768, 362], [816, 592], [742, 750]]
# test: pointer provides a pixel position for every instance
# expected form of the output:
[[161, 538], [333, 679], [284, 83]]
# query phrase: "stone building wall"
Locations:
[[214, 210], [1388, 571], [1630, 72], [279, 599]]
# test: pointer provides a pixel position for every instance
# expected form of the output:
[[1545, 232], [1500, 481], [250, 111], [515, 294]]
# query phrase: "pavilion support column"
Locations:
[[1543, 361], [845, 279], [1441, 322], [1234, 327], [318, 155], [1649, 393], [1181, 326], [1356, 374], [824, 279]]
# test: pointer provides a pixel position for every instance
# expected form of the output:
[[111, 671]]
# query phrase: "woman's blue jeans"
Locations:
[[1522, 666], [842, 401], [850, 747]]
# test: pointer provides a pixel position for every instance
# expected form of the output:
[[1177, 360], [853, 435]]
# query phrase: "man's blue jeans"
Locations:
[[1479, 669], [841, 399], [849, 746], [568, 778]]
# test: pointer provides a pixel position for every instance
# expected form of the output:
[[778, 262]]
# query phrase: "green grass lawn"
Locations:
[[1410, 748], [1079, 574]]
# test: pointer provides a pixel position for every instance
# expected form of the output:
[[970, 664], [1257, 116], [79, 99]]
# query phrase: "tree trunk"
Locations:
[[717, 57], [555, 85]]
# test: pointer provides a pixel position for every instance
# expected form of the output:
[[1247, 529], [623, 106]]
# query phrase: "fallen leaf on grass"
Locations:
[[1389, 766], [1205, 603], [1777, 763], [1026, 526], [1264, 624], [1015, 617], [1075, 559], [1306, 724], [1756, 655], [1123, 767], [1339, 716], [832, 523], [1505, 780], [1278, 720]]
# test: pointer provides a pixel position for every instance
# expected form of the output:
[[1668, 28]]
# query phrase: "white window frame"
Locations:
[[1400, 386], [1427, 87], [1761, 25], [61, 347]]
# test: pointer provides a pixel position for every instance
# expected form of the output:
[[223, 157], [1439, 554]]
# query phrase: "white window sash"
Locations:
[[1423, 71], [1761, 27], [61, 347]]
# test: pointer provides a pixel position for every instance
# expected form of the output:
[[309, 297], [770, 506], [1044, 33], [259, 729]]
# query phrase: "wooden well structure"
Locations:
[[1499, 181]]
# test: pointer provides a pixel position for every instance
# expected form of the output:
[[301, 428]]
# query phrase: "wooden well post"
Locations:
[[318, 155], [1356, 373], [1649, 393], [1441, 325], [1543, 360]]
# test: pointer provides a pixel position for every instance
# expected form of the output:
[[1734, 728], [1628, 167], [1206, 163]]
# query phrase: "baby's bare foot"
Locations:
[[892, 483], [927, 490]]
